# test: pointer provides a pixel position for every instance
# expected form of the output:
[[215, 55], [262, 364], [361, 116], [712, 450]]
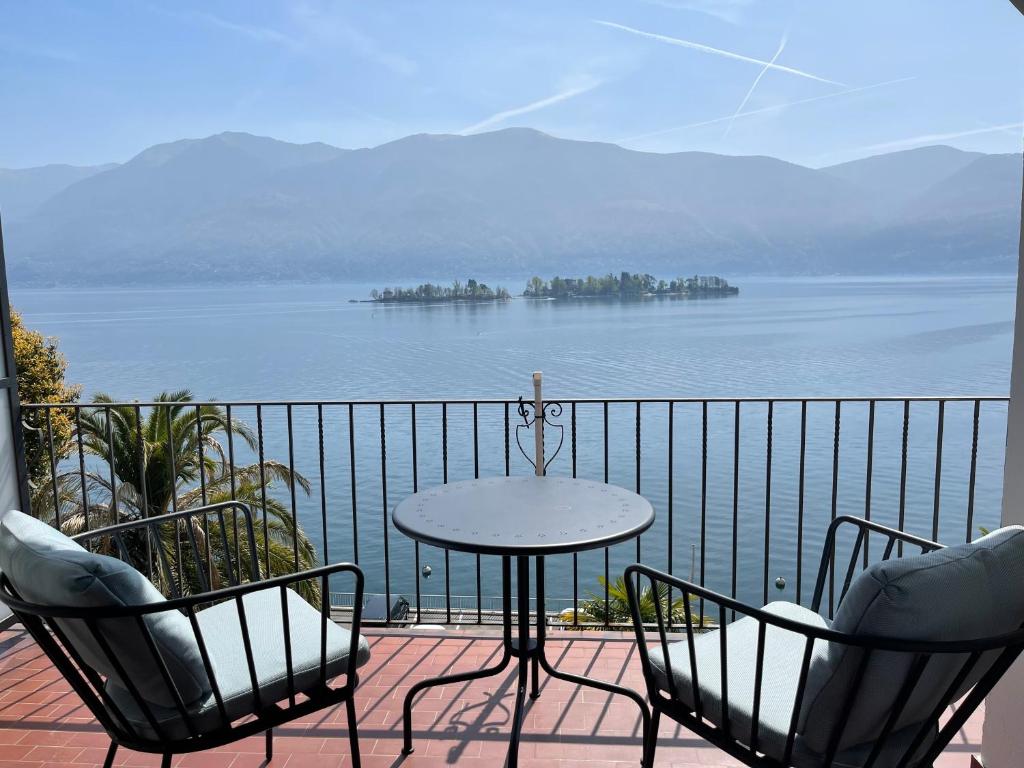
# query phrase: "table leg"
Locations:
[[645, 714], [462, 677], [525, 653]]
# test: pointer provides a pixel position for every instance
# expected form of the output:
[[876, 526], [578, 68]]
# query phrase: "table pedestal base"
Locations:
[[532, 660]]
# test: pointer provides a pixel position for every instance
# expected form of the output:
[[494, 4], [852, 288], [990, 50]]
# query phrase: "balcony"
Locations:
[[42, 722], [744, 490]]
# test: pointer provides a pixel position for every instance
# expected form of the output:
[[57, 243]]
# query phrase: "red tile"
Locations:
[[465, 724]]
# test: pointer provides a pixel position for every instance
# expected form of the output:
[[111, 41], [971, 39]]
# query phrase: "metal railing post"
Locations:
[[538, 412]]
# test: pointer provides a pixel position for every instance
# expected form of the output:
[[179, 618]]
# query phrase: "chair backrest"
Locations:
[[45, 567], [967, 592]]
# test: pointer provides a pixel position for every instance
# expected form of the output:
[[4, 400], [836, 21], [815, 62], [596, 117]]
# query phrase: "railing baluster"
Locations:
[[476, 476], [703, 496], [174, 495], [901, 525], [110, 460], [607, 566], [575, 555], [768, 499], [323, 478], [352, 481], [53, 468], [140, 447], [638, 557], [81, 469], [508, 468], [415, 488], [263, 489], [835, 504], [735, 498], [447, 553], [800, 503], [974, 471], [291, 487], [938, 470], [868, 476], [670, 539], [384, 510]]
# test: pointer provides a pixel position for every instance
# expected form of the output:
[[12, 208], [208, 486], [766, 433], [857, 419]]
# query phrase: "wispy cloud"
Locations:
[[679, 42], [763, 110], [533, 106], [20, 48], [259, 34], [326, 26], [753, 86], [315, 30], [729, 11], [935, 138]]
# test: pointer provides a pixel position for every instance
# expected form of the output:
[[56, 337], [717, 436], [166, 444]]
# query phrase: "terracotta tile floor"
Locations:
[[42, 722]]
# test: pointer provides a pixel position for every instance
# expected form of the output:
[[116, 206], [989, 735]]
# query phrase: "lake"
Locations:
[[777, 338]]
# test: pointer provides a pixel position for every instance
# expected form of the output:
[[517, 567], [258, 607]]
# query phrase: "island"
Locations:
[[428, 293], [628, 285]]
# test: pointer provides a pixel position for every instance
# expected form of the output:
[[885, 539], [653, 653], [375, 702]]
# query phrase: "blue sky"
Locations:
[[815, 82]]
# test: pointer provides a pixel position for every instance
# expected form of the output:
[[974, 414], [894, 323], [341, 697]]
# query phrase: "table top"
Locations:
[[523, 515]]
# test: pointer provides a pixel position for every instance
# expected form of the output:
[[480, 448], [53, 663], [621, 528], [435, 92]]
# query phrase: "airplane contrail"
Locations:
[[533, 106], [753, 86], [934, 138], [762, 110], [716, 51]]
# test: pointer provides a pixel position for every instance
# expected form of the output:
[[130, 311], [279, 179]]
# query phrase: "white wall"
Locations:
[[1003, 736]]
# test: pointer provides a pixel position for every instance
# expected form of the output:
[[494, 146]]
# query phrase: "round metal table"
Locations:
[[522, 517]]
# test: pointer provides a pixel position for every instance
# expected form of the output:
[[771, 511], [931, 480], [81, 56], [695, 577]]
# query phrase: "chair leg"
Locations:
[[651, 738], [166, 761], [353, 733], [111, 751], [270, 744], [535, 684]]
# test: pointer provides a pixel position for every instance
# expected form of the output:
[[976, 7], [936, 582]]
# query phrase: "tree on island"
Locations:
[[428, 292], [627, 285]]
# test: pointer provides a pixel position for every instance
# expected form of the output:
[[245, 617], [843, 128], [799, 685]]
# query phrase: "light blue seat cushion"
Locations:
[[958, 593], [783, 658], [222, 634], [47, 568], [783, 655]]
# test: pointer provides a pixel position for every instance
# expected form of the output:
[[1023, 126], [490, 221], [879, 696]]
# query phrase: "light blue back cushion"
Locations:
[[48, 568], [959, 593]]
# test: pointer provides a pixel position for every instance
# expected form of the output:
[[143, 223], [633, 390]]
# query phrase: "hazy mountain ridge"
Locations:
[[235, 206]]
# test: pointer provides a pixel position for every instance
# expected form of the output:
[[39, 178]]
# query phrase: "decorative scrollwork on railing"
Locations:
[[549, 413]]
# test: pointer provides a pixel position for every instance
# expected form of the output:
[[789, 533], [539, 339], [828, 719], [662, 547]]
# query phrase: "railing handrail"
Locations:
[[555, 399]]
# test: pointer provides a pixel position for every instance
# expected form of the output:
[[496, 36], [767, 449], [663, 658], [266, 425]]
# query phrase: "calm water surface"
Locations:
[[779, 338]]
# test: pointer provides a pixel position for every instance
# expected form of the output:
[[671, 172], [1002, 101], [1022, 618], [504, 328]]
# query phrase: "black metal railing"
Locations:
[[743, 487]]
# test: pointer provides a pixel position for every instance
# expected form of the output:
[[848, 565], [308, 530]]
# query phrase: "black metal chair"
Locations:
[[783, 686], [248, 654]]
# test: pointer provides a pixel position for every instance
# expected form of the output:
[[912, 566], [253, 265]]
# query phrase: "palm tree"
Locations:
[[593, 610], [173, 457]]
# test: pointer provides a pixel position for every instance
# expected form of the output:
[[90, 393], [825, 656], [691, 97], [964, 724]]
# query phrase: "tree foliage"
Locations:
[[171, 457], [593, 610], [41, 379], [626, 284], [428, 292]]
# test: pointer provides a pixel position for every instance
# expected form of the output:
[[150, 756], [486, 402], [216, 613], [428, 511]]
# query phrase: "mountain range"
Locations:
[[512, 202]]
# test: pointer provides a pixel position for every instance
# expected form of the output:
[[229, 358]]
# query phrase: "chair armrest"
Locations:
[[96, 622], [636, 573], [151, 527], [826, 568], [959, 656]]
